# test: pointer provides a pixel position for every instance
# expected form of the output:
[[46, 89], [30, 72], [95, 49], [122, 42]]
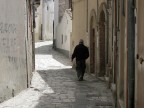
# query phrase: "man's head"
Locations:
[[81, 41]]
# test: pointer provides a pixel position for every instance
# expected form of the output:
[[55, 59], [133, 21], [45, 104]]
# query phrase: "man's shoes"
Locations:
[[80, 79]]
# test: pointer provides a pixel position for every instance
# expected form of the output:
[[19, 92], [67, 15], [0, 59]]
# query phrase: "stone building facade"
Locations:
[[62, 26], [44, 17], [91, 22], [63, 5], [16, 47], [63, 33], [139, 54], [113, 31]]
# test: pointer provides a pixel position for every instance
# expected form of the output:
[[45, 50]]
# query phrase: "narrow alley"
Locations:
[[55, 85]]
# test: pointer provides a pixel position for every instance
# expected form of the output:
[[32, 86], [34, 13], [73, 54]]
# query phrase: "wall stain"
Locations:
[[7, 28]]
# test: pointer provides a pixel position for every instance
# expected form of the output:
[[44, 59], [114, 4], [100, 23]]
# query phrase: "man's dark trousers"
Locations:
[[80, 68]]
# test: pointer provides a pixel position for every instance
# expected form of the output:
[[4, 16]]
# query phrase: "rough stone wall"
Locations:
[[47, 20], [78, 23], [81, 28], [64, 30], [30, 43], [63, 5], [13, 46], [38, 21]]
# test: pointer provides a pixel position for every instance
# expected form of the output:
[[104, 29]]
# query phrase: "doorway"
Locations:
[[92, 51], [102, 44]]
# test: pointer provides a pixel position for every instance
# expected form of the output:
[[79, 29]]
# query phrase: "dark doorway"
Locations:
[[92, 51], [102, 44], [92, 47]]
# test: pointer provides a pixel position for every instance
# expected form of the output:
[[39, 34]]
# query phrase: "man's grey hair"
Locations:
[[81, 41]]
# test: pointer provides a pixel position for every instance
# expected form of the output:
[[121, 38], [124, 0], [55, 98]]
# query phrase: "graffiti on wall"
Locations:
[[9, 40], [7, 28]]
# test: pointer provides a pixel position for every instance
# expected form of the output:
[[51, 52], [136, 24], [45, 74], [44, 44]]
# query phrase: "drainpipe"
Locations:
[[97, 9], [87, 15], [131, 53]]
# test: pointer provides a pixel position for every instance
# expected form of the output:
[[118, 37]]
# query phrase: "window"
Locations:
[[62, 39], [65, 38]]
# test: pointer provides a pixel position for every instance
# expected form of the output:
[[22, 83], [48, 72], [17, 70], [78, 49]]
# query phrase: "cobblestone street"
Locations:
[[55, 85]]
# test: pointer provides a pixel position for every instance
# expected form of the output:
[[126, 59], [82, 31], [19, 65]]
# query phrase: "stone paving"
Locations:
[[54, 85]]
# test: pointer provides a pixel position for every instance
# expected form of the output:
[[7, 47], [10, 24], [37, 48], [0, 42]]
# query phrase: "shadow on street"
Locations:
[[67, 92]]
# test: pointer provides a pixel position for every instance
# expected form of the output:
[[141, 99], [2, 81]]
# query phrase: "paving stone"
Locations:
[[55, 85]]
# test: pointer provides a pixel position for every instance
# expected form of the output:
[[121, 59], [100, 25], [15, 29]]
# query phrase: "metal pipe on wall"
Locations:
[[87, 15]]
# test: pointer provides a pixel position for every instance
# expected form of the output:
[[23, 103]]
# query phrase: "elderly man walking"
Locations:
[[81, 53]]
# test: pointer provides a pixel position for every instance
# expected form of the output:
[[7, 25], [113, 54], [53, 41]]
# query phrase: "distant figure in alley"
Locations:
[[81, 53]]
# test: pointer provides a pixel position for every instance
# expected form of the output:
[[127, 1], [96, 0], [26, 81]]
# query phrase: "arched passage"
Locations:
[[102, 43], [92, 50], [92, 43]]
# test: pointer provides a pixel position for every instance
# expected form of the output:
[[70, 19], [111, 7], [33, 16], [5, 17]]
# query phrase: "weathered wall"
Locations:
[[47, 20], [30, 42], [38, 21], [122, 52], [59, 9], [50, 19], [83, 12], [139, 44], [79, 22], [13, 33], [56, 17], [63, 5], [79, 25], [63, 33]]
